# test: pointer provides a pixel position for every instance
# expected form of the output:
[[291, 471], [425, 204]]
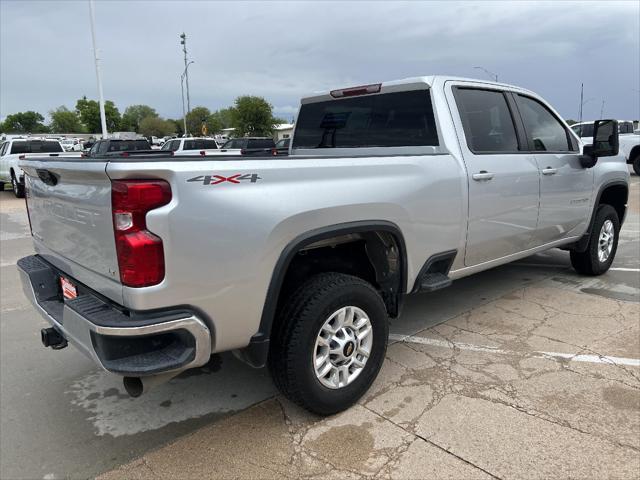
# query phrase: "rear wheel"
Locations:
[[603, 244], [330, 343], [18, 188]]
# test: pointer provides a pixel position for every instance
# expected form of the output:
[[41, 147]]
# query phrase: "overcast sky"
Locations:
[[284, 50]]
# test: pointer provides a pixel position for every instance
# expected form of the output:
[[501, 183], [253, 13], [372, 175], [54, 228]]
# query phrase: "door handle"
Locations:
[[482, 175], [549, 171]]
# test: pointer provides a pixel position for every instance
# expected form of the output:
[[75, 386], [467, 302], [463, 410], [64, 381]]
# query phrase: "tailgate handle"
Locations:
[[47, 177]]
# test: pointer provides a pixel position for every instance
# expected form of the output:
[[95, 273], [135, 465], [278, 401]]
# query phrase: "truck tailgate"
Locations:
[[70, 212]]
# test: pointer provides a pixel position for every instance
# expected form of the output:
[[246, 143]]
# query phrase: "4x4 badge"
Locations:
[[217, 179]]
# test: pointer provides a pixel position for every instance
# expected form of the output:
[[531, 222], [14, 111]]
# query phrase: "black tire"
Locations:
[[293, 344], [636, 164], [587, 262], [18, 188]]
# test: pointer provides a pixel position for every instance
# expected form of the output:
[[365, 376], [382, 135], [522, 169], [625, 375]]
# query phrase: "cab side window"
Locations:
[[487, 121], [544, 131], [3, 149]]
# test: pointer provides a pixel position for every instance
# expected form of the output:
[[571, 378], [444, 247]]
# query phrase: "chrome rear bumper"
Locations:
[[121, 342]]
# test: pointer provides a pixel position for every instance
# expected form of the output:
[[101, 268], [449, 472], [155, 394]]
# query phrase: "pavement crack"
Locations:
[[430, 442], [564, 424]]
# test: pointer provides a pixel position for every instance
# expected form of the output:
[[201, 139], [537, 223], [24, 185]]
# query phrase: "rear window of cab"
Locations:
[[36, 146], [387, 120]]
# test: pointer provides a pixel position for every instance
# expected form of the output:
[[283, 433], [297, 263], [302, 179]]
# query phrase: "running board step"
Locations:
[[434, 281]]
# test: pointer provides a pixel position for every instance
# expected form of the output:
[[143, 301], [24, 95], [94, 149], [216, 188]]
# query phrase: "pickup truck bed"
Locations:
[[298, 262]]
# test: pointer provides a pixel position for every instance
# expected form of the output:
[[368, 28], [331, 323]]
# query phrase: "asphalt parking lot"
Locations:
[[524, 371]]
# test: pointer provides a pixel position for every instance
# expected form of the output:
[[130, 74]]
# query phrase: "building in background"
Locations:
[[284, 130]]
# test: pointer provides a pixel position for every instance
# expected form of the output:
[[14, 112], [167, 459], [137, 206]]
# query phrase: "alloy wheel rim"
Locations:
[[605, 241], [342, 347]]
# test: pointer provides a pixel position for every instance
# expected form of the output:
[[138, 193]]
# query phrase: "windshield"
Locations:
[[235, 143], [583, 130]]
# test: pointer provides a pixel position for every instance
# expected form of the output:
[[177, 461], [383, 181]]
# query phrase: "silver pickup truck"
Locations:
[[150, 264]]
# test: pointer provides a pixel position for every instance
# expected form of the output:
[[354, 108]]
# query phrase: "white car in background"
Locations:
[[14, 150], [195, 146], [71, 145], [629, 140]]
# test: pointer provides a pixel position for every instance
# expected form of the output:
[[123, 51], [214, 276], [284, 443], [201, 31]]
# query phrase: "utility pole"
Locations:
[[184, 116], [103, 117], [602, 110], [183, 42], [581, 102]]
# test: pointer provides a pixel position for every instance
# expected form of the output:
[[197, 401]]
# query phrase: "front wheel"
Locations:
[[329, 343], [603, 244], [18, 188], [636, 164]]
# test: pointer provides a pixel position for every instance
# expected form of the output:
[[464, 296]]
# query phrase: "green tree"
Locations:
[[64, 120], [133, 116], [252, 116], [571, 122], [196, 117], [223, 117], [89, 112], [154, 126], [178, 125], [24, 122]]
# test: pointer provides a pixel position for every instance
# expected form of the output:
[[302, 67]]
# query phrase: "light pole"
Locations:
[[184, 115], [602, 110], [183, 42], [582, 105], [494, 76], [103, 117]]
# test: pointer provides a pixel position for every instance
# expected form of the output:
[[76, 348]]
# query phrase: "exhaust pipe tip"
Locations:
[[133, 386], [50, 337], [136, 386]]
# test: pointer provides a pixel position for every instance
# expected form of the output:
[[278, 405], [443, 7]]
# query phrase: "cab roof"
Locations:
[[405, 84]]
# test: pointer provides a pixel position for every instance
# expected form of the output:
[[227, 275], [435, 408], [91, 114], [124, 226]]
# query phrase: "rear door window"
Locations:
[[544, 131], [387, 120], [189, 145], [486, 120]]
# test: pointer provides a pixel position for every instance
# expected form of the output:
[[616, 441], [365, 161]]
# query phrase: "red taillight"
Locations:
[[22, 157], [140, 252], [242, 151], [355, 91], [274, 151], [202, 153]]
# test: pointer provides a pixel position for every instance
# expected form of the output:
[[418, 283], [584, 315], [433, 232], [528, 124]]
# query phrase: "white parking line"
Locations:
[[620, 269], [433, 342]]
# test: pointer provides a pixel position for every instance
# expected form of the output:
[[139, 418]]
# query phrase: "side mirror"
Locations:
[[605, 143], [605, 138]]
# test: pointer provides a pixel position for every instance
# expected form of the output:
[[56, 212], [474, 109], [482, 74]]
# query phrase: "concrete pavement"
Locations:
[[471, 390]]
